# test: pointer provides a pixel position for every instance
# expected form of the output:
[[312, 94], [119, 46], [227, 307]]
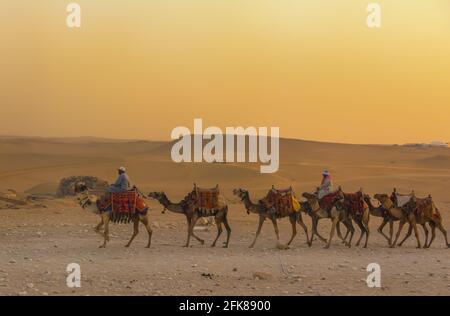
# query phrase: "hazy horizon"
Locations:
[[169, 140]]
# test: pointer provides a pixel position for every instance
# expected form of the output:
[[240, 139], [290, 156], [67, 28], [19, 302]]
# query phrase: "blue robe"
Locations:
[[122, 184]]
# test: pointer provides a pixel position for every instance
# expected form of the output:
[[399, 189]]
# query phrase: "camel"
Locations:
[[403, 214], [192, 215], [264, 214], [336, 212], [88, 202], [379, 211], [425, 211], [359, 211]]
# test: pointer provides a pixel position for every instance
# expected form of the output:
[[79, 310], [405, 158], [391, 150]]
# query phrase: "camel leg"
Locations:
[[294, 228], [391, 231], [400, 227], [228, 228], [105, 219], [351, 229], [333, 228], [144, 221], [416, 232], [366, 226], [194, 220], [261, 222], [135, 231], [433, 233], [275, 227], [191, 226], [380, 230], [444, 232], [302, 224], [315, 232], [425, 229], [189, 221], [410, 229], [362, 229], [338, 230], [99, 227], [219, 230]]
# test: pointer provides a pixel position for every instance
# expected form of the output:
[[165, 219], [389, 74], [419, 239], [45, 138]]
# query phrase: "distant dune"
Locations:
[[438, 161], [37, 165]]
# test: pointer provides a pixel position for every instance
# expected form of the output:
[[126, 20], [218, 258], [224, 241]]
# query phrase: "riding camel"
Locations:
[[402, 212], [379, 211], [425, 211], [265, 213], [332, 207], [188, 208], [89, 201], [359, 211]]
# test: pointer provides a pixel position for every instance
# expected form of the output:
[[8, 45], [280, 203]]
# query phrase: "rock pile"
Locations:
[[67, 185]]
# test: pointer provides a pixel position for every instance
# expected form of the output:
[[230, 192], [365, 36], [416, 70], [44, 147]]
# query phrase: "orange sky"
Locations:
[[137, 69]]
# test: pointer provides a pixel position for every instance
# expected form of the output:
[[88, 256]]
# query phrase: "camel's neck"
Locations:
[[88, 202], [387, 204], [173, 207], [375, 211], [250, 206]]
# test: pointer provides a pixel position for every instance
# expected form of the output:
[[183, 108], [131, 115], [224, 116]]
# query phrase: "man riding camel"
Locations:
[[326, 187], [122, 183]]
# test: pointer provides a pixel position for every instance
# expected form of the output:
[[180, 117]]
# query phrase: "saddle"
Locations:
[[203, 199], [123, 205], [282, 202], [400, 200], [327, 202], [354, 202]]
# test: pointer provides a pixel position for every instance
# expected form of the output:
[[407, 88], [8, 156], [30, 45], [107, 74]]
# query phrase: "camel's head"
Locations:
[[240, 193], [80, 187], [88, 201], [157, 195], [366, 198], [384, 199], [309, 196]]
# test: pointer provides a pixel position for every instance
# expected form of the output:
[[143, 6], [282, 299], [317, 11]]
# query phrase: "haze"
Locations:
[[138, 69]]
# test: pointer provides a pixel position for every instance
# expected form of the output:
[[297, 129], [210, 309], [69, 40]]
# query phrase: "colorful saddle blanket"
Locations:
[[123, 205], [283, 202], [203, 199], [327, 202], [354, 202]]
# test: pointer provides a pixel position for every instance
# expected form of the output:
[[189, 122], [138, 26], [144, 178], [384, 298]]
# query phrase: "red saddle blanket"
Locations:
[[280, 201], [354, 202], [327, 202], [205, 199], [125, 203]]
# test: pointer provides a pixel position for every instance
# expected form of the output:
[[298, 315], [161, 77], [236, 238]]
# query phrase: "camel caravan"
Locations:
[[120, 204]]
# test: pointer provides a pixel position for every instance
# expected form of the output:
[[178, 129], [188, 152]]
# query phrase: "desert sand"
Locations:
[[38, 240]]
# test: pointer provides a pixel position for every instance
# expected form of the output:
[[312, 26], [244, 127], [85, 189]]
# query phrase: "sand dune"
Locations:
[[37, 164]]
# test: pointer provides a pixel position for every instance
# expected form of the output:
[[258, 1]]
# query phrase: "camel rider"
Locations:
[[122, 183], [326, 187]]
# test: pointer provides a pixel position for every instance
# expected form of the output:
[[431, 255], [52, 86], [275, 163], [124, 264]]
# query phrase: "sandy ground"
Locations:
[[37, 244]]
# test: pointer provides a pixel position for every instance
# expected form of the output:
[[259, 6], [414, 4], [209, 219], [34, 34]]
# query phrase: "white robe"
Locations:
[[325, 188]]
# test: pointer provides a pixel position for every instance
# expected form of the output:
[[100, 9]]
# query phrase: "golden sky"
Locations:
[[137, 69]]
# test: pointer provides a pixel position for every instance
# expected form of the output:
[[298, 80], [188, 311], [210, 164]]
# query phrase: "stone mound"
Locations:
[[66, 185]]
